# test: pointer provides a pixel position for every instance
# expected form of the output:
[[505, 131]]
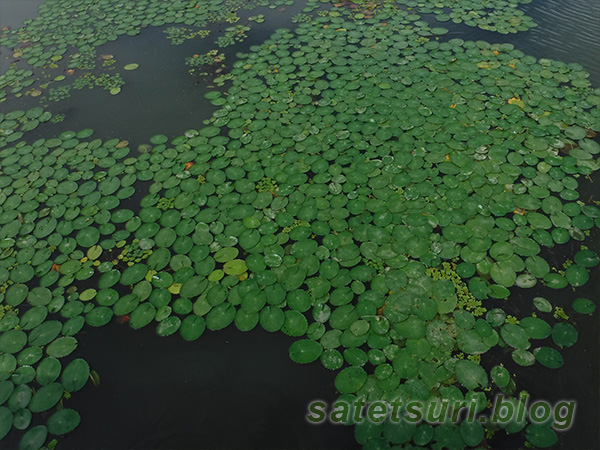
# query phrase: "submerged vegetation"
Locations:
[[367, 186]]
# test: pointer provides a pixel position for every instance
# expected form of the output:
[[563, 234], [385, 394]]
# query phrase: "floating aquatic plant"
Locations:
[[363, 187]]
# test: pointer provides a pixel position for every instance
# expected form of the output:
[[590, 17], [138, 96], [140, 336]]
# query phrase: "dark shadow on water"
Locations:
[[227, 390]]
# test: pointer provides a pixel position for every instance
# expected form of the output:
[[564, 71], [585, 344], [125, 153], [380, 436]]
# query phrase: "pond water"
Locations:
[[232, 389]]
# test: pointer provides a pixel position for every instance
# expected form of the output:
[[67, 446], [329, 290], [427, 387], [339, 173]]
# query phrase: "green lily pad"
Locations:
[[8, 363], [577, 275], [305, 351], [564, 334], [48, 370], [134, 274], [235, 267], [472, 433], [548, 357], [12, 341], [500, 376], [6, 420], [168, 326], [350, 380], [46, 397], [471, 375], [515, 336], [88, 237], [584, 306], [62, 346], [541, 304], [226, 254], [33, 317], [220, 316], [192, 327], [63, 421], [34, 438], [99, 316], [575, 133], [142, 316], [332, 359], [75, 375], [271, 318], [535, 327], [503, 273], [541, 436]]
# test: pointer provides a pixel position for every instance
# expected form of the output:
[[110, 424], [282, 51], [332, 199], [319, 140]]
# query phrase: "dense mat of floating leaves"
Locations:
[[499, 16], [67, 32], [360, 189]]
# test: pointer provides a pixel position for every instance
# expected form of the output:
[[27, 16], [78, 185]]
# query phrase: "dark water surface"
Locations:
[[227, 390], [14, 12], [240, 390]]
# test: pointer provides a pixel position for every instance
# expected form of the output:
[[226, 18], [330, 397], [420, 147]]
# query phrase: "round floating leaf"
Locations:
[[541, 304], [564, 334], [88, 237], [541, 436], [332, 359], [548, 357], [536, 328], [586, 258], [12, 341], [61, 347], [142, 316], [33, 317], [134, 274], [87, 295], [34, 439], [168, 326], [6, 420], [515, 336], [75, 375], [192, 327], [220, 316], [305, 351], [226, 254], [575, 133], [44, 333], [159, 139], [6, 389], [350, 380], [235, 267], [523, 358], [584, 306], [63, 421], [48, 371], [577, 275], [503, 273], [39, 296], [295, 324], [22, 273], [472, 433], [46, 397], [500, 376], [272, 318], [131, 66], [471, 375], [22, 419], [8, 363]]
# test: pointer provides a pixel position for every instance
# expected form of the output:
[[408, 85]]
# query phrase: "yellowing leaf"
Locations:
[[149, 275], [174, 288], [94, 252], [516, 101]]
